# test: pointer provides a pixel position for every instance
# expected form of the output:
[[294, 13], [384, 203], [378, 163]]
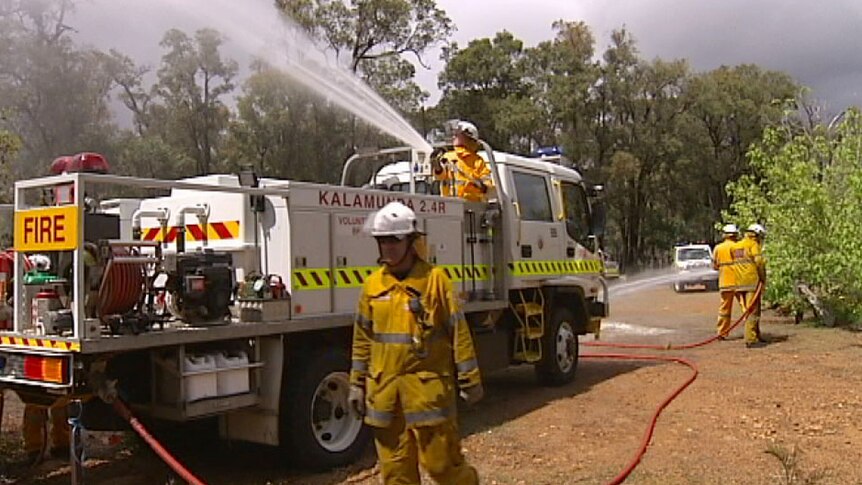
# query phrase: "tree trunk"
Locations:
[[822, 310]]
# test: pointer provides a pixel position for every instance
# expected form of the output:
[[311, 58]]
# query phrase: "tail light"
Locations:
[[46, 369], [35, 367]]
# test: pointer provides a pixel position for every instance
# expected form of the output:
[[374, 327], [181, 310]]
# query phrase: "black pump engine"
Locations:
[[203, 286]]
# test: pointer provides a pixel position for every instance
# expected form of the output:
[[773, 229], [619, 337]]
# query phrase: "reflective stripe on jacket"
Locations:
[[722, 260], [409, 362], [748, 263], [466, 170], [744, 270]]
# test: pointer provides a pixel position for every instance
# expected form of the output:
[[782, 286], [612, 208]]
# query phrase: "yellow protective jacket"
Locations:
[[407, 357], [462, 178], [722, 260], [749, 265]]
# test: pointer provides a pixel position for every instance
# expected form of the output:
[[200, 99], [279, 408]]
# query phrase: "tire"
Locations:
[[677, 287], [317, 427], [559, 350]]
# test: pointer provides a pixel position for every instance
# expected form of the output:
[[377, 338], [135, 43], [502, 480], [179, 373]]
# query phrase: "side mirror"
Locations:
[[598, 220]]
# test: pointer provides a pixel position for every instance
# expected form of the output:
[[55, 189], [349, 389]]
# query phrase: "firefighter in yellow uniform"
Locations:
[[411, 348], [722, 260], [461, 171], [751, 271], [35, 430]]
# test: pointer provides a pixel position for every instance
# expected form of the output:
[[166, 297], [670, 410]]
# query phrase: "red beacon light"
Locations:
[[86, 162], [89, 162]]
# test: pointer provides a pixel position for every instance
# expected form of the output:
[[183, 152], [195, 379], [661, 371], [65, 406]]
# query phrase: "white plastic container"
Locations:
[[232, 373], [203, 385]]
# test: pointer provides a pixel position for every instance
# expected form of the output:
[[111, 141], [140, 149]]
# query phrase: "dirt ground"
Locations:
[[786, 413]]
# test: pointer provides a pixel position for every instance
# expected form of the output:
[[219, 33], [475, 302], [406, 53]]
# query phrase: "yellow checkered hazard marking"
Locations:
[[354, 276], [552, 268]]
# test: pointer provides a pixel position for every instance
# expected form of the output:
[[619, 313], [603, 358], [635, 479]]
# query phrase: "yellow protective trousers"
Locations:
[[437, 448], [725, 309], [36, 422], [752, 323]]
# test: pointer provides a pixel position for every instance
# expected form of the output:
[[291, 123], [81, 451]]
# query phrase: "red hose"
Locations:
[[124, 412], [692, 345], [651, 428]]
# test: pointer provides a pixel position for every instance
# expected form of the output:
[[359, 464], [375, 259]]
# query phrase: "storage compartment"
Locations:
[[233, 373], [198, 377]]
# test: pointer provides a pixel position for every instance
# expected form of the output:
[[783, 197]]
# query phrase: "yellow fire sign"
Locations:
[[47, 229]]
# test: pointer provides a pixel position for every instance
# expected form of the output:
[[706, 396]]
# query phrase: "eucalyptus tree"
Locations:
[[53, 93], [189, 109], [377, 39]]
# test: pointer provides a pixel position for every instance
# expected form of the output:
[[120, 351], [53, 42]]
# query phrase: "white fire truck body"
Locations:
[[220, 298]]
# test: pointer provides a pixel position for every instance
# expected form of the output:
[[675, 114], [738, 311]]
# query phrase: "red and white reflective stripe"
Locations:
[[41, 343]]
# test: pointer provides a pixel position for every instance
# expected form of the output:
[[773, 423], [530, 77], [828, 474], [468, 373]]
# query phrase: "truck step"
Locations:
[[529, 309], [528, 356], [531, 332]]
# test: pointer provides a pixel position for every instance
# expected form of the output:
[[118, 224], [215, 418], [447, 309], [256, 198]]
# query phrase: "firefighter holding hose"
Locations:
[[722, 261], [461, 171], [412, 349], [751, 269]]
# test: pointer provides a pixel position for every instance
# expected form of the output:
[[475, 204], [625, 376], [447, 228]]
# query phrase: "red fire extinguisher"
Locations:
[[45, 300]]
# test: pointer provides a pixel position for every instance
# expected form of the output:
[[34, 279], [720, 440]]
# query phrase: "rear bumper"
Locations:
[[702, 277]]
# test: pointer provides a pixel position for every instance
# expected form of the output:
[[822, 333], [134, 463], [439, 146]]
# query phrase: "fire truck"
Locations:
[[233, 296]]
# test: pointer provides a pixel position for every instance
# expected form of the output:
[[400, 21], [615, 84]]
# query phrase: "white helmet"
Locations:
[[394, 219], [757, 229], [468, 129], [730, 229]]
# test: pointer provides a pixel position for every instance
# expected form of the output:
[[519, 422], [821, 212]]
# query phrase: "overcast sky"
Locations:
[[815, 42]]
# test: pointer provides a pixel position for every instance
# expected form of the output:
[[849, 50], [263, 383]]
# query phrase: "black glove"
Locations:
[[356, 399], [472, 394]]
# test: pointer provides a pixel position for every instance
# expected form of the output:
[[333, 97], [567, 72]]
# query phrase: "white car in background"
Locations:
[[693, 266]]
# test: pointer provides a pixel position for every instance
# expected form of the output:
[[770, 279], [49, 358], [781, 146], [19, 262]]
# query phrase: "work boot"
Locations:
[[60, 453], [34, 458], [755, 345]]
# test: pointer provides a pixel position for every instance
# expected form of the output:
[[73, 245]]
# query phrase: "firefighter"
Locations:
[[35, 431], [411, 348], [461, 171], [722, 260], [752, 271]]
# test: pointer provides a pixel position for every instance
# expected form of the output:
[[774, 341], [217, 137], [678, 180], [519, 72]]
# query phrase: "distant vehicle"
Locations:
[[693, 266], [612, 268]]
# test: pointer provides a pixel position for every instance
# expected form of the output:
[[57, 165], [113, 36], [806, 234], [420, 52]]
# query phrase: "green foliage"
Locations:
[[276, 126], [193, 78], [375, 36], [10, 145], [54, 94], [809, 191]]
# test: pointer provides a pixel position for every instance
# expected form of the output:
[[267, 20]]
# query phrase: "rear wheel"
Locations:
[[677, 287], [317, 426], [559, 350]]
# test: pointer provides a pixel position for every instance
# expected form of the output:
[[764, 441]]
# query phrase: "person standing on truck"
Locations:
[[751, 272], [722, 261], [411, 348], [461, 171]]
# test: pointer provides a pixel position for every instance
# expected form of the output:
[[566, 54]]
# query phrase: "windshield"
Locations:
[[691, 254]]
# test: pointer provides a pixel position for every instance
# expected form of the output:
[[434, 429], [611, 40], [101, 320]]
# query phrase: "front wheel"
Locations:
[[317, 426], [559, 350]]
